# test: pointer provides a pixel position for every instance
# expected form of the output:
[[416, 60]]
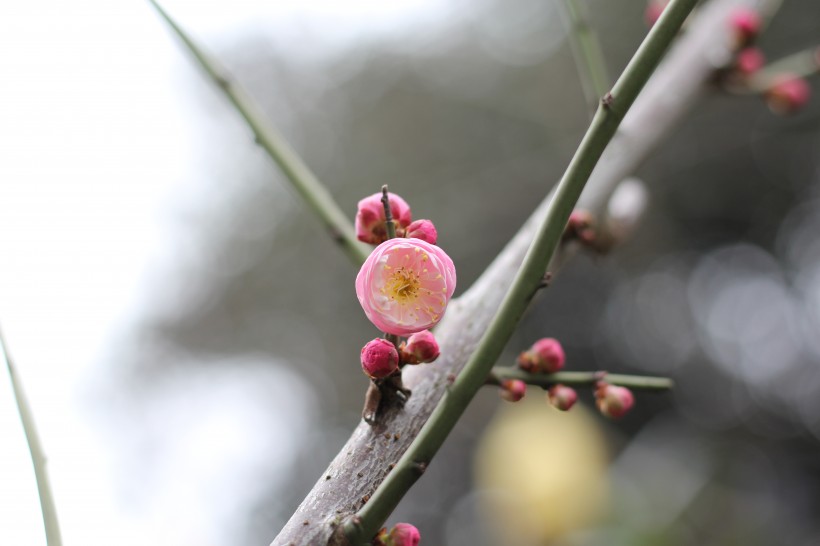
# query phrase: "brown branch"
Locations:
[[371, 452]]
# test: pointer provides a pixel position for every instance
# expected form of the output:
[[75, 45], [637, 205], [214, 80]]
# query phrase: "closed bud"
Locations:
[[788, 94], [545, 356], [371, 223], [513, 390], [403, 534], [580, 227], [749, 61], [422, 229], [562, 397], [420, 347], [613, 401], [379, 358], [746, 24]]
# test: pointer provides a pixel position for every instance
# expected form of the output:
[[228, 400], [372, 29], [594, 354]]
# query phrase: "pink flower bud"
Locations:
[[746, 24], [513, 390], [379, 358], [545, 356], [371, 225], [653, 11], [580, 227], [788, 94], [562, 397], [420, 348], [403, 534], [613, 401], [749, 61], [404, 285], [424, 230]]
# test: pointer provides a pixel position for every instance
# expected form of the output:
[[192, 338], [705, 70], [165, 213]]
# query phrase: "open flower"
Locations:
[[404, 285]]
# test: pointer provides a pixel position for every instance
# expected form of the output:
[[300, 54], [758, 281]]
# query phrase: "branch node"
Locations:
[[420, 467], [607, 100]]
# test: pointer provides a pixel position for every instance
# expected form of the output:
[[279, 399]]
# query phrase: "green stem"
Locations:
[[361, 527], [315, 195], [38, 457], [589, 58], [579, 379]]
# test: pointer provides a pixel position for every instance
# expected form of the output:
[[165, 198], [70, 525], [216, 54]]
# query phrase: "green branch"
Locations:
[[579, 379], [589, 58], [315, 195], [38, 457], [360, 528]]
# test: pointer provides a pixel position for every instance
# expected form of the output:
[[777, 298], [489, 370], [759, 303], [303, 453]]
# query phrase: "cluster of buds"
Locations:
[[380, 357], [371, 221], [404, 286], [402, 534], [546, 356], [784, 93]]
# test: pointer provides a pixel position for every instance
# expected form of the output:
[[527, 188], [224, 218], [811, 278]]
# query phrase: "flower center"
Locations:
[[403, 285]]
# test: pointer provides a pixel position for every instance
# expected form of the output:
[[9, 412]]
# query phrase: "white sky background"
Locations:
[[97, 145]]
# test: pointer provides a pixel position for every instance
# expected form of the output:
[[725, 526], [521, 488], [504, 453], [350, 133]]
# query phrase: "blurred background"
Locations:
[[188, 335]]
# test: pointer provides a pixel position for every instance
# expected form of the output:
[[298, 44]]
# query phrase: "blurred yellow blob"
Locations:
[[542, 473]]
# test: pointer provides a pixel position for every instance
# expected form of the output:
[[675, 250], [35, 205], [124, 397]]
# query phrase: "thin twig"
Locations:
[[315, 195], [609, 115], [586, 49], [801, 64], [38, 457], [579, 379]]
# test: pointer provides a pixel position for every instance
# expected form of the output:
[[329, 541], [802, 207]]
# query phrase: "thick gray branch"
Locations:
[[371, 451]]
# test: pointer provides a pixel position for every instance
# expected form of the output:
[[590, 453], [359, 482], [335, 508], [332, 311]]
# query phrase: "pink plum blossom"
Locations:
[[379, 358], [424, 230], [371, 224], [404, 286], [420, 348]]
